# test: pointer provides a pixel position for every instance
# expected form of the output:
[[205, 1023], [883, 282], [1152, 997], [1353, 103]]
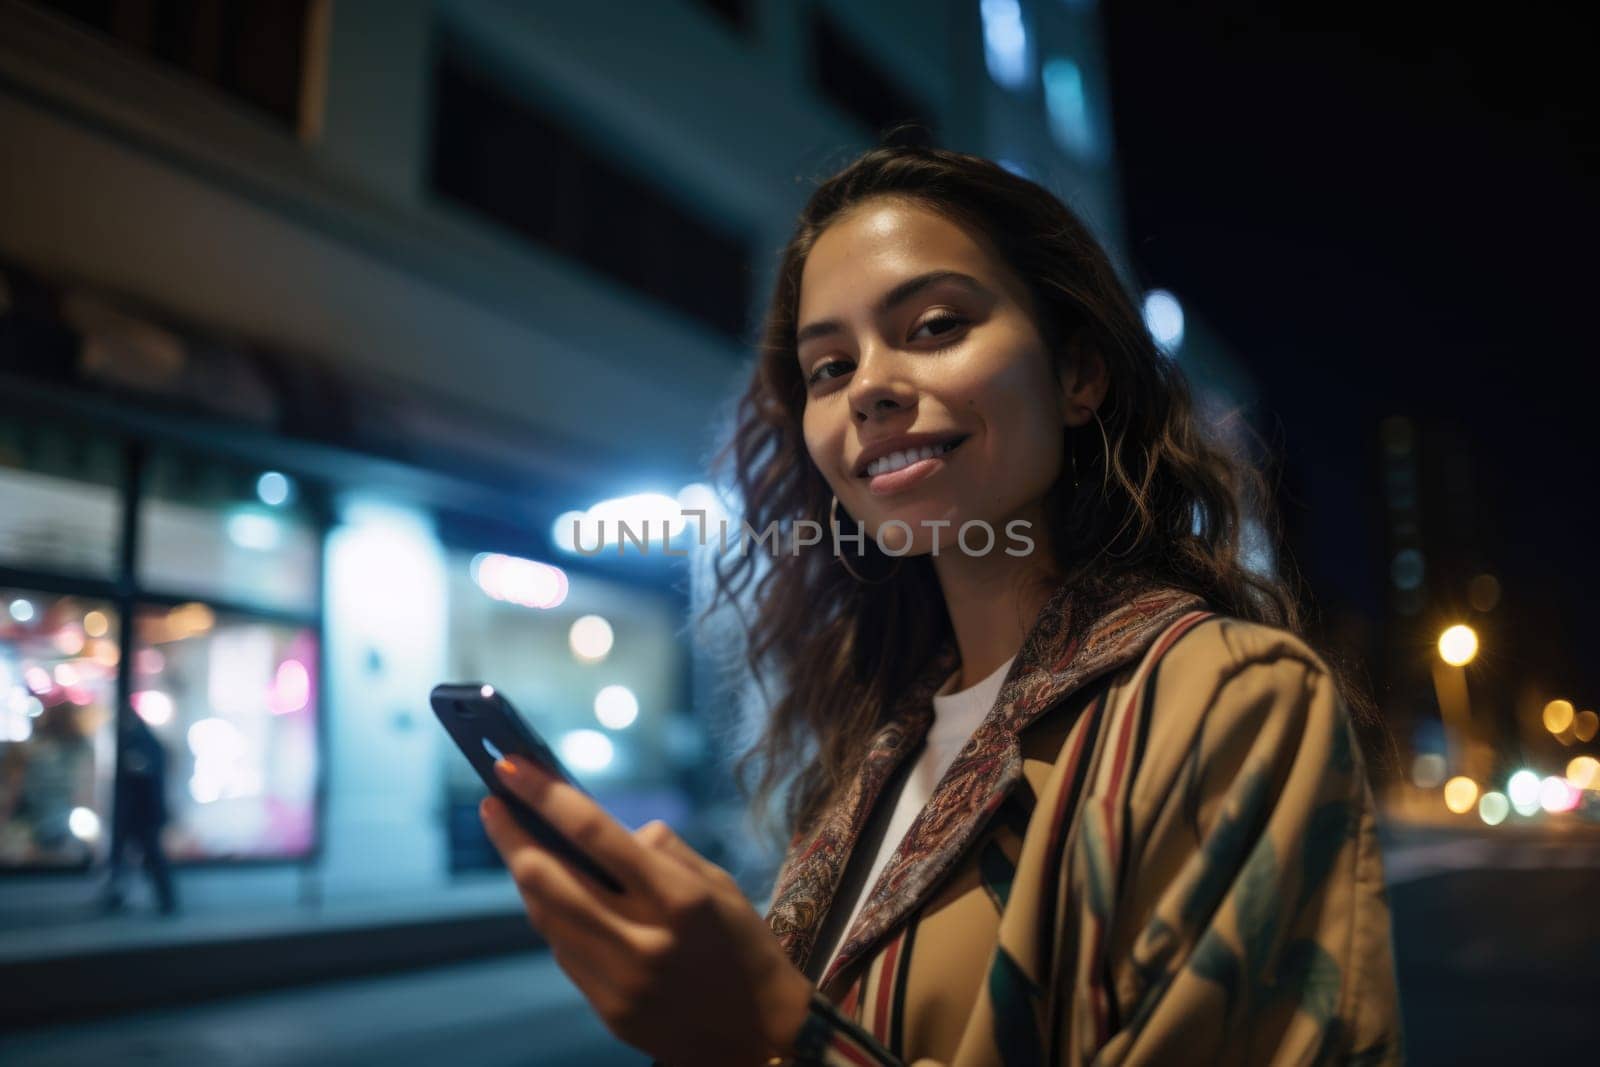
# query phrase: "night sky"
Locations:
[[1388, 212]]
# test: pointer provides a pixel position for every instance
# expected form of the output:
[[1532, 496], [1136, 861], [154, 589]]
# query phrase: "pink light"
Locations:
[[149, 661], [522, 581], [291, 690], [38, 680]]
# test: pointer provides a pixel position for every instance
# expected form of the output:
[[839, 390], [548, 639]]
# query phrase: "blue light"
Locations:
[[1005, 43], [1163, 316], [22, 610], [1067, 103], [259, 533], [274, 489]]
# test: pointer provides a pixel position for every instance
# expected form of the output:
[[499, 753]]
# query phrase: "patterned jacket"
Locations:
[[1159, 847]]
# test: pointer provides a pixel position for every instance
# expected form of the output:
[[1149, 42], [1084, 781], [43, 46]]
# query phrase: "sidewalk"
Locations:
[[76, 966]]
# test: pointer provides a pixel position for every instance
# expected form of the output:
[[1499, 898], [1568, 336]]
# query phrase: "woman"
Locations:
[[1090, 799]]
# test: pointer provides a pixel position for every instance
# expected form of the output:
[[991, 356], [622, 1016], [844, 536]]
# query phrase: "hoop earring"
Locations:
[[1105, 443], [833, 525]]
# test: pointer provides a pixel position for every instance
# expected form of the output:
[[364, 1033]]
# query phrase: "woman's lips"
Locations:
[[905, 477]]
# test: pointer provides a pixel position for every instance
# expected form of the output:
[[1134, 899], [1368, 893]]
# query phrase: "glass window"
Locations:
[[211, 530], [600, 674], [234, 699], [60, 502], [58, 665]]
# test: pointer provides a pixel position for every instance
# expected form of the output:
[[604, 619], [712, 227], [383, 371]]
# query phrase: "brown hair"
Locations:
[[1162, 495]]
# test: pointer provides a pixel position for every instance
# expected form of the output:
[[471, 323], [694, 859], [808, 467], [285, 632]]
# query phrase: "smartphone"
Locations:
[[485, 727]]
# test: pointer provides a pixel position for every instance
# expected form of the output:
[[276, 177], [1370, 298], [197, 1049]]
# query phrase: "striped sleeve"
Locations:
[[1251, 925]]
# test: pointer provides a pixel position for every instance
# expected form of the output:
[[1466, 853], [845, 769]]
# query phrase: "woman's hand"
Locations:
[[679, 966]]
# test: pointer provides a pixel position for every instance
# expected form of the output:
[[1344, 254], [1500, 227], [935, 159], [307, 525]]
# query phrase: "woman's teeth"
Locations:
[[900, 460]]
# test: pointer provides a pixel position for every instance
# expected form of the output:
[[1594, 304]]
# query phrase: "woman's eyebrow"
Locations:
[[893, 298]]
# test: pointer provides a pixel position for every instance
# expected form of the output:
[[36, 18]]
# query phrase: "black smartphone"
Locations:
[[485, 727]]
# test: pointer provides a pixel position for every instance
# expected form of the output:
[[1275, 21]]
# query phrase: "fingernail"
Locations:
[[505, 766]]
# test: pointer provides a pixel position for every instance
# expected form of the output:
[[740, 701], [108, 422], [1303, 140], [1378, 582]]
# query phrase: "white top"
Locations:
[[955, 717]]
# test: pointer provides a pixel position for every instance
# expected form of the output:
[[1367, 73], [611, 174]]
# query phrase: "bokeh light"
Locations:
[[1583, 772], [590, 638], [1523, 790], [616, 707], [1460, 794], [1558, 715], [586, 750], [1493, 808], [1458, 645]]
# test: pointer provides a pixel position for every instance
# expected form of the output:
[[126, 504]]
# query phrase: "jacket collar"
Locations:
[[1071, 642]]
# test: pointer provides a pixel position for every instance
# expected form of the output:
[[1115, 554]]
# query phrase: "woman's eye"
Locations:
[[817, 374], [941, 325]]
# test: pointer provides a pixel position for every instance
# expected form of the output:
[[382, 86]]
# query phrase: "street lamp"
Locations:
[[1458, 645]]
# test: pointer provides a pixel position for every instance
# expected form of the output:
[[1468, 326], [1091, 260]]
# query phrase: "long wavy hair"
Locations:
[[1163, 496]]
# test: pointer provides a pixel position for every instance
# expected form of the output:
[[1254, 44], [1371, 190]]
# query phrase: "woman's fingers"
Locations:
[[553, 890], [590, 828], [657, 834]]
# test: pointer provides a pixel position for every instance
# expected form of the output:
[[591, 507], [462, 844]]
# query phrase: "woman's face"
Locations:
[[910, 325]]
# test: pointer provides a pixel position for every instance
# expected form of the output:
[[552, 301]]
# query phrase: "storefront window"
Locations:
[[234, 700], [58, 666], [212, 530], [595, 666], [60, 502]]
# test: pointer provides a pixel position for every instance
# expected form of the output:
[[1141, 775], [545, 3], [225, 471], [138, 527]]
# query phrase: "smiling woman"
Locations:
[[1093, 800]]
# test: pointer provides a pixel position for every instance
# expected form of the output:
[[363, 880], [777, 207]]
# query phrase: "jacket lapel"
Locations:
[[1071, 642]]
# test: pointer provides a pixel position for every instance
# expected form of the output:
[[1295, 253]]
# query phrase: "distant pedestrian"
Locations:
[[141, 807]]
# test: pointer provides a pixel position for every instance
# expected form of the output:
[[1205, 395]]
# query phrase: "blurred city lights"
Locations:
[[188, 620], [698, 496], [84, 824], [1460, 794], [153, 706], [519, 581], [69, 640], [22, 610], [291, 688], [1428, 770], [586, 750], [649, 518], [1005, 43], [38, 680], [1558, 715], [566, 528], [1585, 724], [1163, 316], [1458, 645], [1493, 808], [1067, 104], [259, 533], [1557, 795], [1583, 772], [1483, 592], [616, 707], [95, 624], [274, 489], [1523, 789], [1406, 569], [590, 638], [66, 675]]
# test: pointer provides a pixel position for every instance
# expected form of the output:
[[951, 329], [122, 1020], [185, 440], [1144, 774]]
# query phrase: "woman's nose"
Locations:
[[877, 389]]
